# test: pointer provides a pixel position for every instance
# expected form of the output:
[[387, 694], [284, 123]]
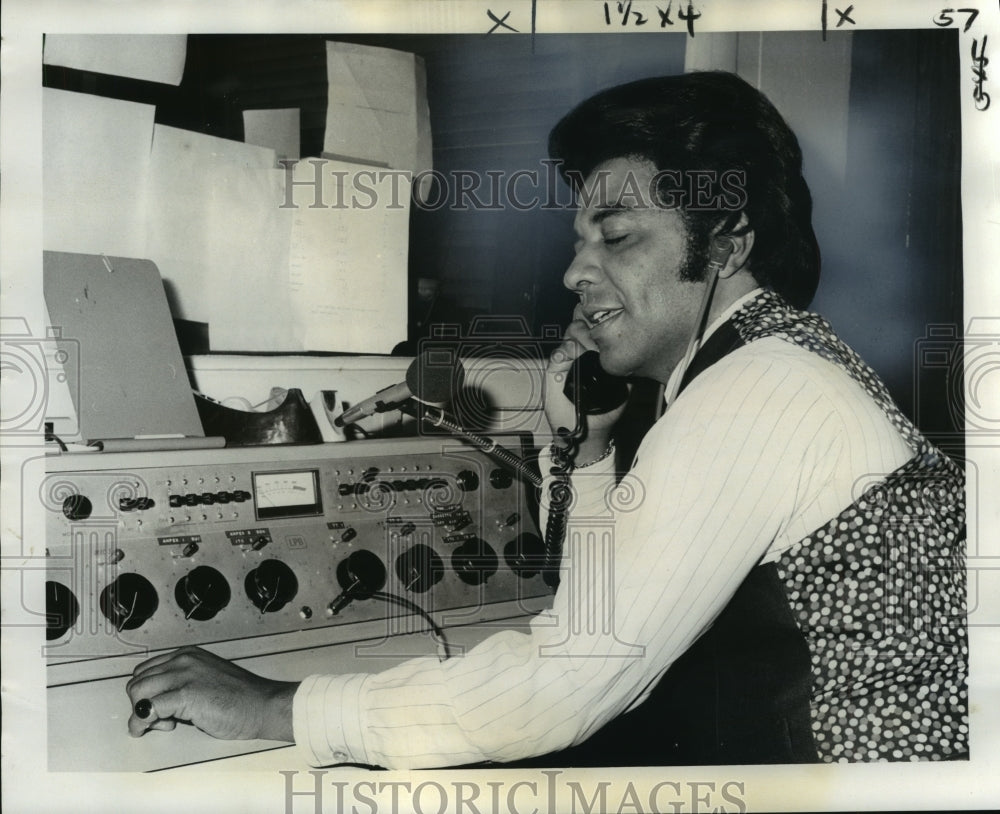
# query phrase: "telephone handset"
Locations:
[[592, 388]]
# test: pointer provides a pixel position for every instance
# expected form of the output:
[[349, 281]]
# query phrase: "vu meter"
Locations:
[[286, 494]]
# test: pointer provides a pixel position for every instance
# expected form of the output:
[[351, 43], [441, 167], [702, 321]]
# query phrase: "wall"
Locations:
[[878, 121]]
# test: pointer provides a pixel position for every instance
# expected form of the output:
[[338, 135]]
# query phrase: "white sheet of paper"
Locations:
[[96, 168], [214, 221], [377, 109], [247, 291], [347, 260], [153, 57], [277, 129]]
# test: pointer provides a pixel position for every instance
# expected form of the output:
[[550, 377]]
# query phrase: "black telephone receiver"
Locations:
[[591, 388]]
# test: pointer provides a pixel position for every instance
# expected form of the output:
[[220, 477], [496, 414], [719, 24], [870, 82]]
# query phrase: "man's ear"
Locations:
[[735, 246]]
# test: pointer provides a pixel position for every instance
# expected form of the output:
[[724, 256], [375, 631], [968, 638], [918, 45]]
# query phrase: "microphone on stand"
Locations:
[[426, 382], [434, 384]]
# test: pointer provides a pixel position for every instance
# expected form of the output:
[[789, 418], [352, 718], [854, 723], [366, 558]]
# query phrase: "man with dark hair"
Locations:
[[778, 578], [701, 130]]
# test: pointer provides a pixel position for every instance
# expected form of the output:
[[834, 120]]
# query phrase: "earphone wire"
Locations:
[[665, 399]]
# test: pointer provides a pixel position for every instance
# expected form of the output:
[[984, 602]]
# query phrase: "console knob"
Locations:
[[501, 478], [202, 593], [419, 568], [474, 561], [271, 586], [129, 601], [468, 481], [525, 555], [77, 507], [360, 575], [61, 610]]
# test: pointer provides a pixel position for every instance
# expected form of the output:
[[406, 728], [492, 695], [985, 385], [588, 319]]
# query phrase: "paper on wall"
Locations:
[[377, 109], [208, 212], [277, 129], [347, 267], [214, 221], [153, 57], [250, 305], [96, 163]]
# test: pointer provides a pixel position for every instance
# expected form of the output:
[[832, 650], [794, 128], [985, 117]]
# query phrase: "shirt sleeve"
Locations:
[[754, 447]]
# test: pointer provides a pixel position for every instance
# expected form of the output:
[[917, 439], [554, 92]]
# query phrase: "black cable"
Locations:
[[415, 608], [51, 436], [563, 451]]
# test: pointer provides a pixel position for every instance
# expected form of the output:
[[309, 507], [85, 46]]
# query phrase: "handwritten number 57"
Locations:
[[945, 19]]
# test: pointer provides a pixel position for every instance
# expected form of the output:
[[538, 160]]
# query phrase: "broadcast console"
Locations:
[[289, 559]]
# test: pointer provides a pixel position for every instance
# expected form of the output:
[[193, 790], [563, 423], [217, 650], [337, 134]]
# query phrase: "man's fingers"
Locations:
[[195, 686], [152, 682], [562, 358], [152, 663], [164, 710], [579, 333], [142, 718], [576, 340], [141, 680], [176, 663], [164, 658]]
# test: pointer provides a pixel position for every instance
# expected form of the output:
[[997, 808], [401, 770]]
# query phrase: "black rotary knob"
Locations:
[[202, 593], [271, 586], [77, 507], [360, 575], [468, 480], [474, 561], [61, 610], [129, 601], [525, 555], [501, 479], [419, 568]]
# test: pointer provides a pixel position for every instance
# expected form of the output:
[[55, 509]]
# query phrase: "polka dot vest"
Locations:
[[879, 591]]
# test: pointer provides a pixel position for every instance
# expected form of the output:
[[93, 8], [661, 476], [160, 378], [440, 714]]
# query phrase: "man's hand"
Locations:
[[197, 687], [559, 410]]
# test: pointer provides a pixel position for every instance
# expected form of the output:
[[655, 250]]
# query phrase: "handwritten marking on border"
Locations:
[[944, 18], [979, 63], [499, 22]]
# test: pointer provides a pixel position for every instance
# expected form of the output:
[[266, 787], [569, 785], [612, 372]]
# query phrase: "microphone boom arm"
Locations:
[[439, 418]]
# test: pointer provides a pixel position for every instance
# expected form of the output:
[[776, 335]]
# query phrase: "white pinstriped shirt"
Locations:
[[762, 448]]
